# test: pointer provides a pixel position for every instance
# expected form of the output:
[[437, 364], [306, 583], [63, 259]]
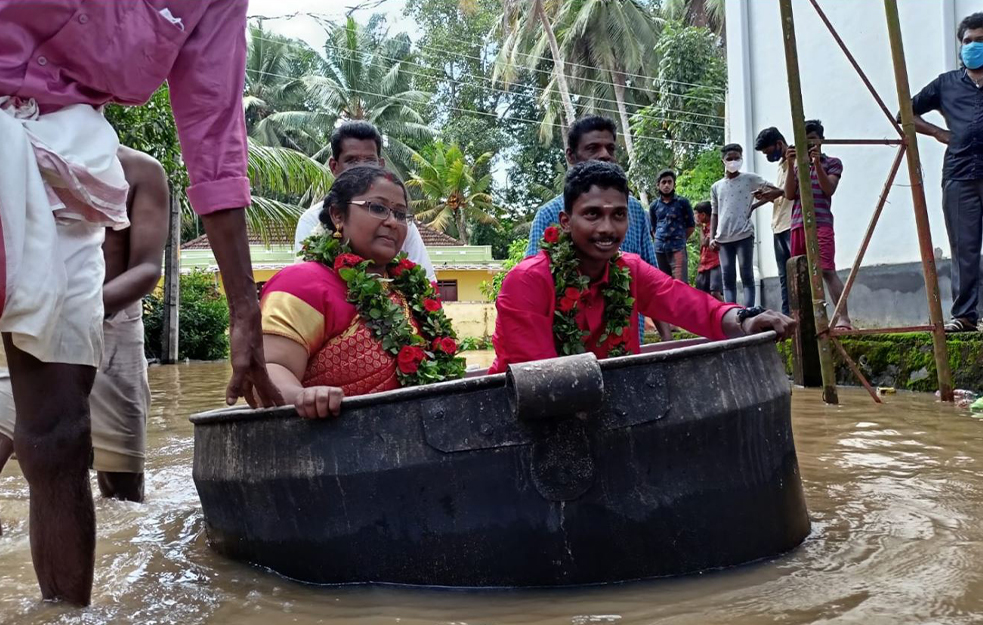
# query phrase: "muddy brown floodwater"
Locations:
[[895, 493]]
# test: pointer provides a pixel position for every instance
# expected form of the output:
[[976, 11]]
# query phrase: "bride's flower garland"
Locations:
[[571, 287], [423, 358]]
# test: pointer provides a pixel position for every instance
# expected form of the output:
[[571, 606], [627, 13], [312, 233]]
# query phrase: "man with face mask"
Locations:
[[731, 228], [772, 144], [958, 96]]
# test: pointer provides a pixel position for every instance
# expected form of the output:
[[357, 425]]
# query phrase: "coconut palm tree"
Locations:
[[363, 78], [523, 45], [284, 182], [613, 43], [705, 13], [275, 68], [452, 191]]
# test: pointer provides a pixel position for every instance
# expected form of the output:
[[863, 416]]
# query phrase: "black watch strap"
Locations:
[[746, 313]]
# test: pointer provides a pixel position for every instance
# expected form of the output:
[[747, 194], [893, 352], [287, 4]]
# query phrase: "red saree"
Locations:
[[306, 303]]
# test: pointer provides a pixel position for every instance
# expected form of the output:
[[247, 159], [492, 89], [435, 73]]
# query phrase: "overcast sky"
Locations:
[[307, 29]]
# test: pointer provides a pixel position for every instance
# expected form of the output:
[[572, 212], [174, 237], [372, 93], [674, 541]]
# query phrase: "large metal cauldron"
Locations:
[[563, 472]]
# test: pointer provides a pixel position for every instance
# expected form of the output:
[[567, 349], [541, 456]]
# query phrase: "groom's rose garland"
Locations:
[[423, 358], [571, 287]]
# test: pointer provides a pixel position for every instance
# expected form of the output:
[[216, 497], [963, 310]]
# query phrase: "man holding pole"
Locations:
[[958, 96], [61, 185]]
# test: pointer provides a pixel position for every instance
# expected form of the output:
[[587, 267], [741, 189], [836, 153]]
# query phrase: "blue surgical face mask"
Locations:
[[774, 156], [972, 55]]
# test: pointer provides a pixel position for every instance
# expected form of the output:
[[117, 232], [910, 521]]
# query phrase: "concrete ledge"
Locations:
[[905, 361], [884, 295]]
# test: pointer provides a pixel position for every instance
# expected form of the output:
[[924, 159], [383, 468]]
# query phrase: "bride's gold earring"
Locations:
[[337, 231]]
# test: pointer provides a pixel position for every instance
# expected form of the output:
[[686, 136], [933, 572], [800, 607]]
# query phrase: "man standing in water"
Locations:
[[120, 398], [958, 95], [61, 185]]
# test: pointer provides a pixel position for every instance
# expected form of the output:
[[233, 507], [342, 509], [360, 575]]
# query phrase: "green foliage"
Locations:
[[150, 129], [707, 13], [453, 59], [202, 324], [452, 191], [275, 67], [906, 361], [516, 254], [471, 344], [693, 255], [694, 184], [689, 105]]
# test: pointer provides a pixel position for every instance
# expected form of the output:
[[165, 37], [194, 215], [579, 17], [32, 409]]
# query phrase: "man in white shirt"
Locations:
[[359, 143]]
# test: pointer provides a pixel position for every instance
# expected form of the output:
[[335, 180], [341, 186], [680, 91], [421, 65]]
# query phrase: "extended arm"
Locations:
[[286, 362], [206, 85]]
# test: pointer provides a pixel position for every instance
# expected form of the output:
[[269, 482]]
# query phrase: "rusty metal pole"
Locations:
[[918, 201], [808, 207]]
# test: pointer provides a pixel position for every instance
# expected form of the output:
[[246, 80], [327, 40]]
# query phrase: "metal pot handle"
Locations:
[[547, 389]]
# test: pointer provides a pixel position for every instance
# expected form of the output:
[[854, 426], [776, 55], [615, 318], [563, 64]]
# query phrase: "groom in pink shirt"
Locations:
[[54, 57]]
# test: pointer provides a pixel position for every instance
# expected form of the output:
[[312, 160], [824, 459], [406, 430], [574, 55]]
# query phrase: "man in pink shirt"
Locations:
[[59, 61], [582, 294]]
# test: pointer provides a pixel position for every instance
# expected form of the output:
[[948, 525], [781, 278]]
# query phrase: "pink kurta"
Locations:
[[63, 52], [527, 302]]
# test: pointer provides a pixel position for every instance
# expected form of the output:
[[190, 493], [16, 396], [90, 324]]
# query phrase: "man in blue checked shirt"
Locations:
[[594, 138]]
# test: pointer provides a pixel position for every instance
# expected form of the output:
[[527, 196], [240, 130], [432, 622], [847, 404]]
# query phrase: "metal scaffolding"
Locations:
[[907, 146]]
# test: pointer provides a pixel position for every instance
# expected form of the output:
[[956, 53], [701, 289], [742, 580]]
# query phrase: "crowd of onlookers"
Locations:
[[727, 231]]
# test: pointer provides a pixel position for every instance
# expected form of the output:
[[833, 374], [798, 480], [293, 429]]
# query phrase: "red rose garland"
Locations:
[[571, 286], [421, 358]]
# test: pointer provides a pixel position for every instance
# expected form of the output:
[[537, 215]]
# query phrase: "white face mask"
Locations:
[[734, 166]]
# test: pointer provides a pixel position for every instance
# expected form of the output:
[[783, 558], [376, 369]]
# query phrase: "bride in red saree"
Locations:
[[357, 317]]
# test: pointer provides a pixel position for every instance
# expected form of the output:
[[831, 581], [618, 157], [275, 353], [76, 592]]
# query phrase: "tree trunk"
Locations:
[[558, 64], [462, 229], [618, 81], [696, 14]]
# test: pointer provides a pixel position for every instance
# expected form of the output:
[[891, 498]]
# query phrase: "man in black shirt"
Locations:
[[958, 96]]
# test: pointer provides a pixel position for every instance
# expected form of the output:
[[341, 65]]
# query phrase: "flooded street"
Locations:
[[895, 493]]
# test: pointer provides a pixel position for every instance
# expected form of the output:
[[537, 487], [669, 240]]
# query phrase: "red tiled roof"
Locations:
[[433, 238], [281, 237]]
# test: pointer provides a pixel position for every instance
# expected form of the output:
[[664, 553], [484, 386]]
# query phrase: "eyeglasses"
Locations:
[[382, 212]]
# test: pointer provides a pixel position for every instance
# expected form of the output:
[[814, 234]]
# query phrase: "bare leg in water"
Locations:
[[52, 440], [125, 486], [6, 450]]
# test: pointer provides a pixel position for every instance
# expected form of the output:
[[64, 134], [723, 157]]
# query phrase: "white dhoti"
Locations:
[[120, 399], [61, 185]]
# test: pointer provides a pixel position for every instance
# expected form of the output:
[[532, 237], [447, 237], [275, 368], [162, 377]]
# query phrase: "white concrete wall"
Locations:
[[833, 92]]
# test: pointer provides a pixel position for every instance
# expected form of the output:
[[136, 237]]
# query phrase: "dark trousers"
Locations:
[[675, 264], [731, 254], [783, 252], [962, 205]]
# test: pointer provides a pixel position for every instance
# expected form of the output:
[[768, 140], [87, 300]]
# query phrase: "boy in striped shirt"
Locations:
[[825, 172]]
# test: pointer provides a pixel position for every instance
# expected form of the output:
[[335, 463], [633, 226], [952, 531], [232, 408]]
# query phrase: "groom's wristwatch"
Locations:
[[746, 313]]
